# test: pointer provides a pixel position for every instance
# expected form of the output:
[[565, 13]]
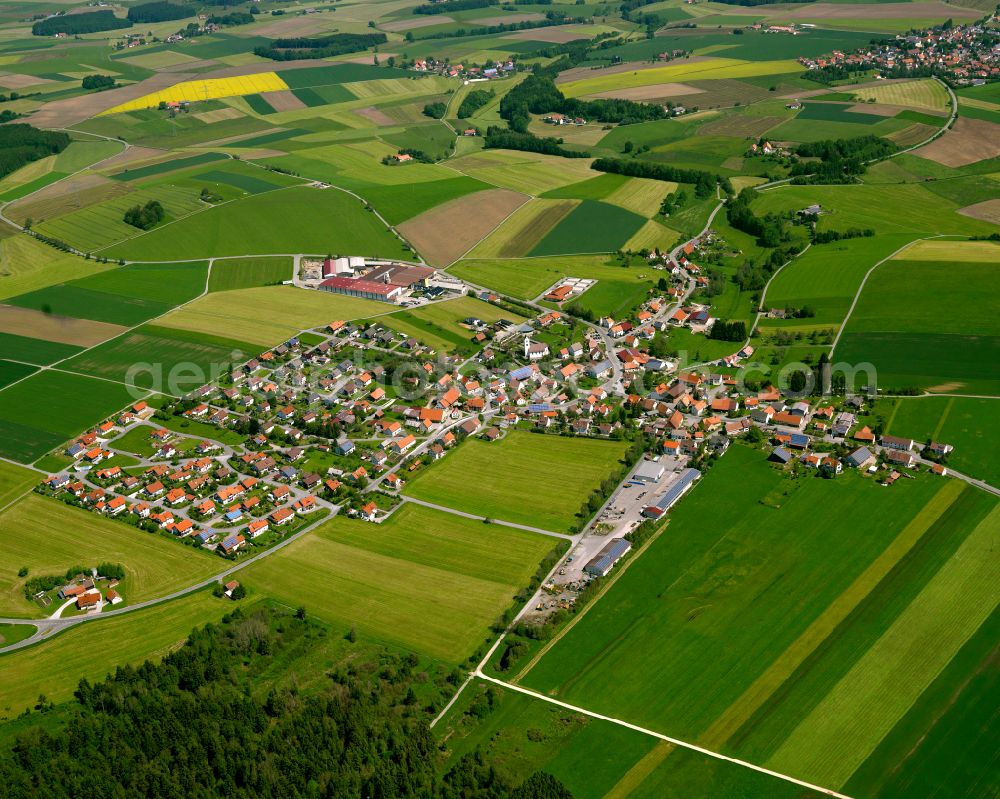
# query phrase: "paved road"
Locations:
[[474, 517]]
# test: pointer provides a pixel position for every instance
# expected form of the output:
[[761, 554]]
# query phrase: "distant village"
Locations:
[[962, 54]]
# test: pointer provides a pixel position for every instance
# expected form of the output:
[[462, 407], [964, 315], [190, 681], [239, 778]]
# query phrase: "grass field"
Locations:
[[245, 273], [125, 295], [95, 650], [704, 69], [927, 94], [536, 480], [163, 358], [399, 203], [426, 580], [289, 221], [171, 165], [27, 264], [963, 422], [14, 481], [439, 326], [593, 758], [268, 315], [876, 207], [826, 278], [45, 410], [49, 538], [833, 606], [528, 277], [591, 227], [101, 224], [936, 351]]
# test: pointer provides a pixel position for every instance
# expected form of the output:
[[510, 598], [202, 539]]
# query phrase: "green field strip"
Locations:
[[741, 711], [248, 183], [11, 372], [847, 725], [168, 166], [268, 138], [32, 186], [259, 104], [34, 350], [945, 745]]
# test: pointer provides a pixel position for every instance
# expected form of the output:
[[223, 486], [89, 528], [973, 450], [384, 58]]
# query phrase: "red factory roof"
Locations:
[[356, 284]]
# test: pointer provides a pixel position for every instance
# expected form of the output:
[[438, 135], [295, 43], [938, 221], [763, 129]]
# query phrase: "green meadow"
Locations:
[[538, 480], [296, 220], [770, 606], [926, 326], [426, 580]]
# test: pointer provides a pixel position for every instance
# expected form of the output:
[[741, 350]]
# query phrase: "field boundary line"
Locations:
[[675, 741], [576, 618], [864, 280]]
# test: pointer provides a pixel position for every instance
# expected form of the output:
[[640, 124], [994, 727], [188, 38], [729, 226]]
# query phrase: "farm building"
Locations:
[[604, 561], [364, 289]]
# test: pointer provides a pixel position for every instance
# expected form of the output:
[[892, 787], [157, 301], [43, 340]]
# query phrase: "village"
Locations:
[[301, 432], [962, 54]]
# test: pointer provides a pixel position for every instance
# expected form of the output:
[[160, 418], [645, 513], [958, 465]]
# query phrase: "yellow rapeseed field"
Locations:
[[210, 89]]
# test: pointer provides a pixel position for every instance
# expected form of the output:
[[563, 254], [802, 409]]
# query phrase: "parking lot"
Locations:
[[621, 515]]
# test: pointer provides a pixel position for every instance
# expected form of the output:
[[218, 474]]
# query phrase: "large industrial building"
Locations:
[[604, 561], [385, 281], [359, 287]]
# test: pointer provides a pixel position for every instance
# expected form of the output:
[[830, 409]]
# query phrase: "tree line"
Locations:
[[704, 182], [323, 47]]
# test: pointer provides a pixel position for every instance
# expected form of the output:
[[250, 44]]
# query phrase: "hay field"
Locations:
[[527, 226], [445, 233], [426, 580], [987, 252], [641, 195], [707, 69], [926, 93], [524, 172], [208, 89], [267, 315], [51, 327]]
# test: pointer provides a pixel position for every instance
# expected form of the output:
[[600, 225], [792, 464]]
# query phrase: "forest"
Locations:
[[841, 160], [159, 12], [211, 719], [448, 6], [505, 139], [324, 47], [72, 24], [22, 144], [538, 94]]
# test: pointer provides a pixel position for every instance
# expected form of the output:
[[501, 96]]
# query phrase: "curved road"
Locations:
[[49, 626]]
